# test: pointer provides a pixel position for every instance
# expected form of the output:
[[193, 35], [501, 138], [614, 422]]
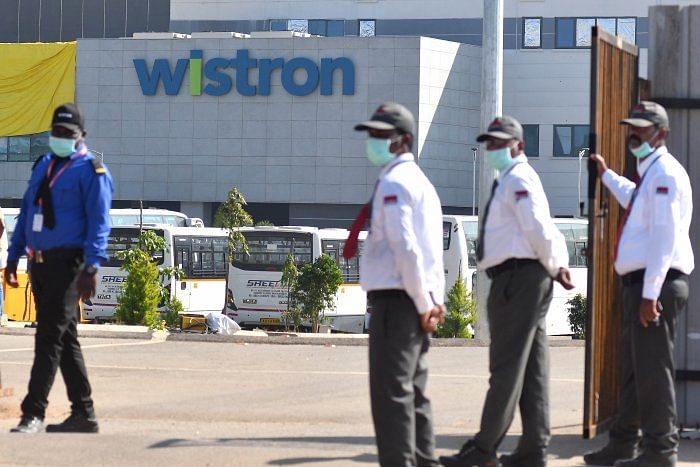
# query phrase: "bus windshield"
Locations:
[[127, 239], [268, 251], [349, 268], [471, 232], [133, 219], [576, 236]]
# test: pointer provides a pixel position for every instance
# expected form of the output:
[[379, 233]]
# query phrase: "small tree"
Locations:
[[461, 312], [290, 276], [264, 223], [316, 287], [578, 311], [143, 290], [232, 215]]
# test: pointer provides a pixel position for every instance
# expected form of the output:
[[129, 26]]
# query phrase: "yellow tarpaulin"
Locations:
[[34, 80]]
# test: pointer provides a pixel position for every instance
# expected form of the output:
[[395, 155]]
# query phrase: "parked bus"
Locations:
[[459, 253], [255, 296], [153, 216], [201, 253]]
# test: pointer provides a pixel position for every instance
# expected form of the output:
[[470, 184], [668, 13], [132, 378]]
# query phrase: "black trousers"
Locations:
[[398, 373], [647, 394], [56, 341], [518, 359]]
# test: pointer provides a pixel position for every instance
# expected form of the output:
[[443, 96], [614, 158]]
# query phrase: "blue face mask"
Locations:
[[62, 147], [644, 149], [378, 151], [499, 159]]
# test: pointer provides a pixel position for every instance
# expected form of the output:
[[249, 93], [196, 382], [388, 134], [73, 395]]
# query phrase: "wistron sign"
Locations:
[[299, 76]]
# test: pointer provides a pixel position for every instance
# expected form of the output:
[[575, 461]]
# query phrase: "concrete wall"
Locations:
[[277, 148]]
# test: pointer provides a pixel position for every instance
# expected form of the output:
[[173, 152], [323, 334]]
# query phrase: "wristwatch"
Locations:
[[92, 269]]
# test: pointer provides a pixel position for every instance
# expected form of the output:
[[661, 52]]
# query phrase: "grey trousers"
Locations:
[[647, 393], [518, 359], [398, 373]]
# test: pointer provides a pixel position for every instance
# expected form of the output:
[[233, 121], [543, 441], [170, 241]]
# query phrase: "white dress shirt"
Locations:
[[403, 249], [656, 234], [519, 224]]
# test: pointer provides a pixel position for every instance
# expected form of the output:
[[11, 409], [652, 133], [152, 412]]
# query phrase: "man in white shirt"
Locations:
[[654, 257], [402, 271], [523, 252]]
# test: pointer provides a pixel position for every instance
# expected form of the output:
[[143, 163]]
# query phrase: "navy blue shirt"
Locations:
[[82, 196]]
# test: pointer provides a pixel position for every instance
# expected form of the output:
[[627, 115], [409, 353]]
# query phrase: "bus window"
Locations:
[[208, 257], [175, 221], [471, 233], [446, 235], [580, 232], [349, 268], [127, 239], [269, 251]]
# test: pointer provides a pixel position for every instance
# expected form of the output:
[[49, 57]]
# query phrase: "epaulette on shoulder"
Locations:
[[97, 165]]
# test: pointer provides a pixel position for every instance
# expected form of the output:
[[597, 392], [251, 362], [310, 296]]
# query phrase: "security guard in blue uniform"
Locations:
[[62, 227]]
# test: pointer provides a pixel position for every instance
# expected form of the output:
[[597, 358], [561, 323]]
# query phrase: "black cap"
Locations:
[[503, 128], [390, 116], [646, 114], [68, 116]]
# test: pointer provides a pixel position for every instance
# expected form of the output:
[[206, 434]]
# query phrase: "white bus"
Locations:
[[153, 216], [459, 252], [201, 253], [255, 296]]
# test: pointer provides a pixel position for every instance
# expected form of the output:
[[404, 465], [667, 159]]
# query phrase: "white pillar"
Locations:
[[491, 107]]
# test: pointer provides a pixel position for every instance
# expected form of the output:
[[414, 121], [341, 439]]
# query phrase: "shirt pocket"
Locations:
[[66, 193]]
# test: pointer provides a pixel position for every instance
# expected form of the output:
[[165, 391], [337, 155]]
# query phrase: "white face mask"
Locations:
[[644, 149]]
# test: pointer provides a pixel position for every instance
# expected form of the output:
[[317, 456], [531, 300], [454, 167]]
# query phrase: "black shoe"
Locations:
[[471, 456], [29, 424], [518, 458], [610, 454], [76, 423]]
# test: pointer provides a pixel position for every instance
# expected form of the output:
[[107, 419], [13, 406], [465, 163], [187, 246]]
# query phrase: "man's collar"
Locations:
[[646, 163]]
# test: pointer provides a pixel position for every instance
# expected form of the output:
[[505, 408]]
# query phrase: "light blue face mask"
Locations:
[[499, 159], [62, 147], [378, 151], [644, 150]]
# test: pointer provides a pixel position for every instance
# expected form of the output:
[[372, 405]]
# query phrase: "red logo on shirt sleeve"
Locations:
[[391, 199], [662, 190], [523, 194]]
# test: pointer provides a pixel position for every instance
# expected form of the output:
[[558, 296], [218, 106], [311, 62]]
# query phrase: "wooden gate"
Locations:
[[614, 88]]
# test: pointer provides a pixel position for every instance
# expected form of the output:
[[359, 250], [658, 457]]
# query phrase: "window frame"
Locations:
[[536, 125], [572, 126], [522, 35]]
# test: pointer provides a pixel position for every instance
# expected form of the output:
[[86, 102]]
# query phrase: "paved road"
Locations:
[[190, 403]]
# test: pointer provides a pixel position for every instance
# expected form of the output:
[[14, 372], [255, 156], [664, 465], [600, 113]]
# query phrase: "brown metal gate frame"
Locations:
[[614, 90]]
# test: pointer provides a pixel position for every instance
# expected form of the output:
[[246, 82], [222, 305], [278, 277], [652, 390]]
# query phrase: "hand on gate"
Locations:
[[11, 275], [600, 163], [649, 311], [430, 319], [564, 278], [87, 285]]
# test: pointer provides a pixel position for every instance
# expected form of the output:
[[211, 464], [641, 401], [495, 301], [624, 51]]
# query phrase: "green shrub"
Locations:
[[292, 315], [578, 312], [461, 312], [315, 290]]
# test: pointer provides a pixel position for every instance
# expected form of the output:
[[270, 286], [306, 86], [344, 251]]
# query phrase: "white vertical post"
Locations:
[[491, 107]]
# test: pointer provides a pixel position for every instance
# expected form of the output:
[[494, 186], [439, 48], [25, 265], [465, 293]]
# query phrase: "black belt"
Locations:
[[387, 293], [637, 277], [56, 254], [508, 265]]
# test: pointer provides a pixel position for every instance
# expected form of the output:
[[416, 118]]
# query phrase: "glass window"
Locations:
[[471, 233], [335, 28], [268, 251], [39, 145], [532, 33], [317, 27], [565, 32], [3, 148], [127, 239], [18, 149], [349, 268], [576, 237], [627, 29], [570, 139], [367, 27], [607, 25], [279, 25], [583, 31], [446, 235], [532, 140], [298, 25], [10, 223]]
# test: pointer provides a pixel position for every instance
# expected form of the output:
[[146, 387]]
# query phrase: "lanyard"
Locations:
[[81, 153]]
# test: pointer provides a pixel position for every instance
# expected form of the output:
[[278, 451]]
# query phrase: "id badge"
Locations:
[[38, 222]]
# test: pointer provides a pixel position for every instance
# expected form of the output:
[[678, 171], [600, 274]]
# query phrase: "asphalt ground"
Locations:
[[204, 403]]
